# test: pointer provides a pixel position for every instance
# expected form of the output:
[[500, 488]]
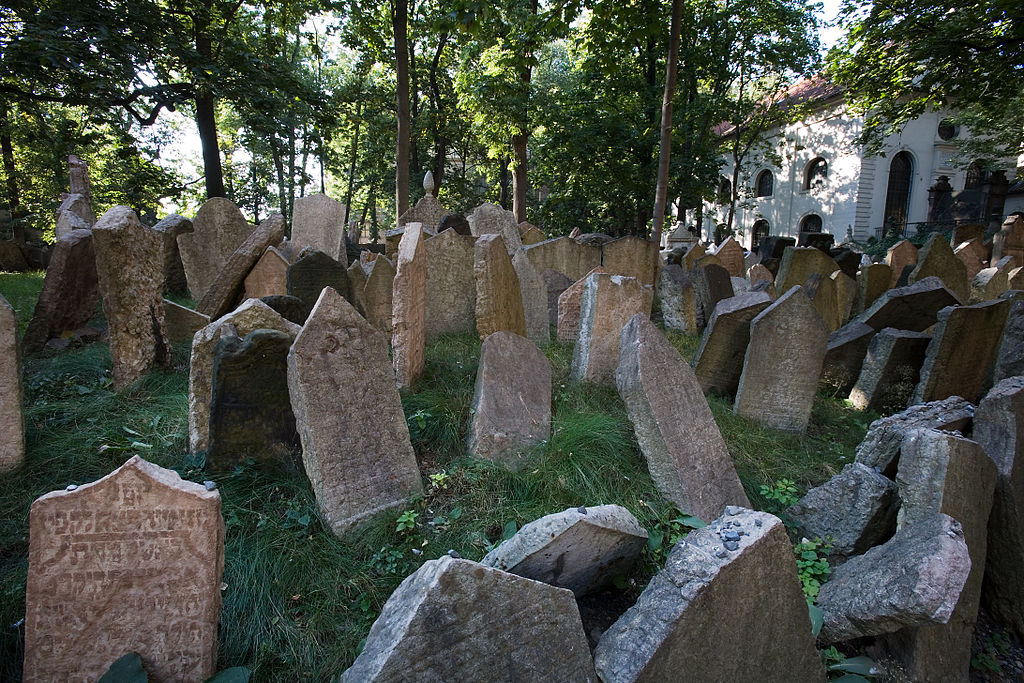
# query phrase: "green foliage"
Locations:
[[858, 669], [812, 566], [783, 493], [987, 658], [127, 669]]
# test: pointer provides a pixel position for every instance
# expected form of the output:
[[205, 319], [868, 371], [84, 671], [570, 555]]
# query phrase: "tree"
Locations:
[[665, 148], [903, 57]]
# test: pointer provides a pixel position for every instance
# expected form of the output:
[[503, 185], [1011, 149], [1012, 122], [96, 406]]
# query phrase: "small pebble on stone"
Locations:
[[71, 487], [582, 509], [732, 545], [454, 555], [757, 522], [210, 485]]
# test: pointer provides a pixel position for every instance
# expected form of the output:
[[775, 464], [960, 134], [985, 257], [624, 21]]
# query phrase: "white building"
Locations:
[[826, 183]]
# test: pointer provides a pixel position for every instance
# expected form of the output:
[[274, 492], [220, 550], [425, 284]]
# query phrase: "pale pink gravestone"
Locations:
[[607, 304], [451, 287], [269, 276], [319, 222], [129, 563], [355, 441], [409, 309], [129, 264], [12, 423]]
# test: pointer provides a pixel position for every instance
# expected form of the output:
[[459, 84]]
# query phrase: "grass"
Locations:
[[299, 601]]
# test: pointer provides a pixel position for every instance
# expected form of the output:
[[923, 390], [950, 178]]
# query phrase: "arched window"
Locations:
[[976, 175], [765, 185], [810, 223], [815, 174], [760, 231], [897, 194], [724, 191]]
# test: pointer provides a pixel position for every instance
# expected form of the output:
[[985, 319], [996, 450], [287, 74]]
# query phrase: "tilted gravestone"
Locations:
[[569, 308], [581, 549], [129, 563], [491, 219], [355, 441], [711, 284], [697, 619], [534, 294], [844, 356], [989, 283], [1010, 358], [872, 281], [182, 323], [606, 305], [511, 410], [451, 287], [531, 234], [174, 272], [499, 304], [250, 316], [962, 350], [357, 286], [968, 255], [1009, 241], [313, 273], [936, 258], [633, 257], [269, 277], [379, 294], [783, 363], [227, 286], [799, 263], [758, 273], [408, 307], [846, 294], [70, 290], [218, 229], [678, 299], [718, 362], [914, 307], [555, 283], [565, 255], [288, 307], [250, 413], [454, 619], [821, 290], [128, 263], [12, 421], [686, 454], [891, 370], [898, 257], [319, 222]]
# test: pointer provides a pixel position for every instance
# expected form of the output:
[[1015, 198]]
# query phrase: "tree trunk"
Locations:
[[440, 119], [503, 182], [275, 153], [661, 193], [13, 191], [519, 181], [206, 122], [414, 111], [399, 20]]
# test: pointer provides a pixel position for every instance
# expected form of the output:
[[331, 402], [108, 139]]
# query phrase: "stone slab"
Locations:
[[409, 307], [718, 362], [70, 290], [451, 286], [182, 323], [12, 420], [269, 277], [898, 257], [312, 273], [678, 299], [891, 370], [633, 257], [606, 305], [936, 259], [569, 308], [218, 229], [914, 307], [499, 303], [174, 272], [799, 263], [534, 294], [226, 288], [565, 255], [379, 294], [319, 221]]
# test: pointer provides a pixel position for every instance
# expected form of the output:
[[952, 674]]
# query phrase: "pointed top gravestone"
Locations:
[[313, 273], [269, 277], [319, 222], [1009, 241], [968, 255], [218, 229], [730, 253], [428, 212], [799, 263], [936, 258], [490, 219], [898, 257], [531, 234], [226, 288]]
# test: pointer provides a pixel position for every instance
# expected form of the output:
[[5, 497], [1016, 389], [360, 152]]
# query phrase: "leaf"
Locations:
[[455, 514], [856, 665], [692, 522], [139, 444], [817, 619], [655, 539], [509, 531], [128, 669], [236, 674]]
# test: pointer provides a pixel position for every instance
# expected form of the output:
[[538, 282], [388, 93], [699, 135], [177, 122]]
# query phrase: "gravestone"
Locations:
[[511, 410], [531, 234], [1016, 278], [499, 304], [535, 299], [821, 290], [565, 255], [962, 350], [129, 265], [606, 305], [174, 272], [678, 299], [999, 430], [730, 253], [319, 222], [357, 452], [269, 277], [555, 283], [581, 549], [846, 294], [695, 253], [288, 307], [182, 323], [698, 620], [686, 454], [227, 287], [357, 286], [408, 307], [74, 213], [968, 255], [453, 619], [70, 290], [822, 241], [758, 273], [569, 308], [218, 229], [1010, 357], [129, 563], [989, 283], [379, 294], [250, 413], [943, 473], [783, 363], [428, 212], [773, 247], [844, 356], [711, 284], [890, 371], [454, 221], [848, 261], [718, 362], [490, 219], [250, 316], [872, 281], [966, 232], [451, 287], [914, 307], [12, 422], [1009, 241], [633, 257], [898, 257], [936, 258], [313, 273], [799, 263]]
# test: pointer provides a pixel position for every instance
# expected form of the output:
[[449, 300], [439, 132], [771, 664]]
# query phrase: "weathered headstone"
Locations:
[[697, 619], [799, 263], [319, 222], [250, 316], [555, 283], [898, 257], [511, 409], [1010, 357], [890, 371], [456, 222], [718, 362], [408, 307], [758, 273], [226, 288], [379, 294], [695, 253], [966, 232], [968, 255], [250, 413], [844, 356], [490, 219], [678, 299], [1015, 278], [70, 290], [711, 284], [174, 272], [428, 212], [569, 308], [686, 454], [313, 273], [846, 294], [914, 307], [129, 265], [12, 422], [218, 229], [872, 281], [730, 253], [451, 288], [581, 549], [936, 258], [564, 255], [357, 454], [1009, 241], [288, 307], [129, 563], [962, 350], [499, 304], [182, 323], [821, 290], [531, 234], [269, 277], [458, 620], [783, 363], [357, 286], [606, 305], [535, 299], [632, 256]]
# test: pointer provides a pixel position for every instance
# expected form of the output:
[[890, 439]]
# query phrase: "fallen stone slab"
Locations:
[[718, 362], [914, 307], [227, 286], [70, 290]]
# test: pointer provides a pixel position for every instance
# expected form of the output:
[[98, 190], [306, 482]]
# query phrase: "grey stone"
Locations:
[[12, 421], [70, 290], [914, 578], [226, 288], [699, 619], [711, 284], [535, 299], [457, 620], [686, 454], [428, 212], [218, 229], [844, 356], [182, 323], [1010, 357], [890, 371], [556, 283], [408, 315], [678, 299], [379, 294], [491, 219], [499, 304], [936, 258], [314, 272], [319, 222], [606, 305], [569, 308], [581, 549], [718, 362], [451, 287], [288, 307], [913, 308], [174, 272], [565, 255]]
